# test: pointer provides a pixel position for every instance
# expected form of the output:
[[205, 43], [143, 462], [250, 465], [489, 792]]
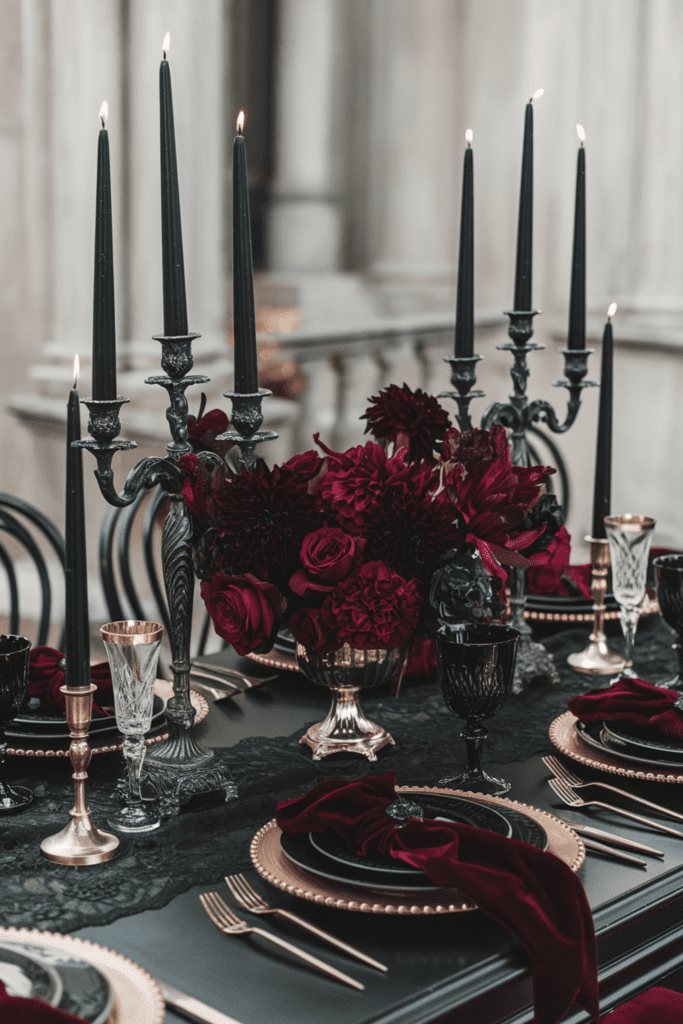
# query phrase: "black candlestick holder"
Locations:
[[180, 766], [247, 418], [518, 415]]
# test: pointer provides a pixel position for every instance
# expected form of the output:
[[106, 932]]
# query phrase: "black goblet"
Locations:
[[476, 672], [14, 651], [669, 570]]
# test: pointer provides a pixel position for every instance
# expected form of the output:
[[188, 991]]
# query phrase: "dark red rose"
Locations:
[[203, 429], [328, 555], [548, 566], [374, 608], [411, 419], [46, 676], [492, 496], [244, 610], [309, 628], [306, 465]]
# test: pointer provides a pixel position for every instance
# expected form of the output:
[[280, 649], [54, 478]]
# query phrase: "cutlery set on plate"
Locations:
[[224, 683], [230, 924], [564, 786]]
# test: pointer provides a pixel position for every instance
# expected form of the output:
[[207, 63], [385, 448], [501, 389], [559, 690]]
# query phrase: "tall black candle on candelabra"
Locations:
[[576, 334], [103, 319], [463, 362], [180, 766], [525, 220]]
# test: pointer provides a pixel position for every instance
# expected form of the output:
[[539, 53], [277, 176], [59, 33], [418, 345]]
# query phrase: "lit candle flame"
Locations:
[[166, 45], [469, 135], [537, 95], [77, 370], [581, 132], [104, 113], [240, 122], [611, 311]]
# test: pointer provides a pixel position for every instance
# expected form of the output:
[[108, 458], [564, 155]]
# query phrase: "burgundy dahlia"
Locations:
[[353, 484], [409, 418]]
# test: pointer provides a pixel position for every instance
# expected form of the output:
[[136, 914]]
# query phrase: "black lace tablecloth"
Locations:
[[209, 839]]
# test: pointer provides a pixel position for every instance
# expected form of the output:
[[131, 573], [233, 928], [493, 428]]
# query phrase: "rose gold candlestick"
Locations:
[[597, 658], [80, 842]]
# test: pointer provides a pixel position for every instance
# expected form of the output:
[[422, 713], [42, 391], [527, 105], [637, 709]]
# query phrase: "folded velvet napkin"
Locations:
[[656, 1006], [635, 701], [534, 894], [45, 676], [17, 1010]]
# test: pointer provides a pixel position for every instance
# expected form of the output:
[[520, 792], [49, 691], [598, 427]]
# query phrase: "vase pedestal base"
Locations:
[[346, 730]]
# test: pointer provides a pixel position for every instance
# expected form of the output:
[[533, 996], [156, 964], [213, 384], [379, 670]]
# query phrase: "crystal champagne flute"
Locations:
[[629, 539], [133, 650]]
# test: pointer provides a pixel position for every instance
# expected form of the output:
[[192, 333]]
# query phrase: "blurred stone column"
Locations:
[[305, 226]]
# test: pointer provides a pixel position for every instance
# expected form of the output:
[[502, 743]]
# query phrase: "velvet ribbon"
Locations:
[[45, 677], [17, 1010], [656, 1006], [531, 892], [635, 701]]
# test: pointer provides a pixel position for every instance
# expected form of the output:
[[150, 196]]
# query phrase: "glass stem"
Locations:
[[134, 753], [518, 601], [474, 735], [629, 623]]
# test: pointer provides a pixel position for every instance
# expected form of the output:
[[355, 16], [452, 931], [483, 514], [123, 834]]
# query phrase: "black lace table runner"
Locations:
[[210, 839]]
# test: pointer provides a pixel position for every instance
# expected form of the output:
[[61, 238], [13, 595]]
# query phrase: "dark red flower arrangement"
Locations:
[[344, 547]]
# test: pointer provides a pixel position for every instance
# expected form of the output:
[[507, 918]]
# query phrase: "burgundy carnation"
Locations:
[[245, 611], [309, 628], [374, 608], [410, 419], [328, 555]]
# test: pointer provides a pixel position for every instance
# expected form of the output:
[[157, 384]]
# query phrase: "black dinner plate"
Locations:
[[593, 734], [568, 604], [300, 850], [85, 991], [642, 742], [24, 974], [55, 726]]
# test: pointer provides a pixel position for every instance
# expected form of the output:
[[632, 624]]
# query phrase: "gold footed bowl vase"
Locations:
[[345, 729]]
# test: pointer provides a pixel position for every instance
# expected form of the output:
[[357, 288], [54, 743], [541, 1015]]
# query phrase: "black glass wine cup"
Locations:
[[476, 674], [669, 569], [14, 652]]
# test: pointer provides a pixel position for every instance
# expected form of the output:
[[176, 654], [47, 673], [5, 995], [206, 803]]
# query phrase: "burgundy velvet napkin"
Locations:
[[656, 1006], [534, 894], [16, 1010], [45, 678], [635, 701]]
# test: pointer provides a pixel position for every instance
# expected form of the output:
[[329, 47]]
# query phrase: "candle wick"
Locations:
[[104, 123], [164, 53]]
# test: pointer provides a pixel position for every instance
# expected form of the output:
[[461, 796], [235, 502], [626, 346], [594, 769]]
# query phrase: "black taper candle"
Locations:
[[103, 320], [576, 334], [464, 308], [175, 302], [602, 492], [525, 222], [76, 624], [246, 366]]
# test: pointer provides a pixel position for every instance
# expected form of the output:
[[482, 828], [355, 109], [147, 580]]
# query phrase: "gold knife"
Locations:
[[193, 1008], [610, 837]]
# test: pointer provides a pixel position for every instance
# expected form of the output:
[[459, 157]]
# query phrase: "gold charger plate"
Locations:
[[136, 993], [563, 734], [162, 688], [276, 659], [278, 870]]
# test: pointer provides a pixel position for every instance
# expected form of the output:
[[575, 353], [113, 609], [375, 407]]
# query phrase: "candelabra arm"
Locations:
[[147, 474]]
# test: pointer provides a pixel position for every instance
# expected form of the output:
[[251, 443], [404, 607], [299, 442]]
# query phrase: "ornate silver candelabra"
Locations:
[[180, 766], [519, 416]]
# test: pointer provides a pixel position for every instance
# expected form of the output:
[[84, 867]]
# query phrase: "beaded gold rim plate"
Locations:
[[162, 688], [273, 866], [563, 735], [137, 996]]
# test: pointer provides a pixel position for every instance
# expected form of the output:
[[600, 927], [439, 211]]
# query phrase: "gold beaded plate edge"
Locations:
[[273, 866], [563, 734], [136, 993], [162, 688]]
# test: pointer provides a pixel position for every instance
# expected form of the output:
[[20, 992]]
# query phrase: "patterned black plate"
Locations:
[[301, 852], [85, 992], [450, 808], [642, 742], [594, 735], [23, 974], [44, 727]]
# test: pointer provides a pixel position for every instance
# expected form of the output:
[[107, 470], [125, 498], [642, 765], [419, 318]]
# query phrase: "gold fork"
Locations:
[[247, 897], [569, 797], [228, 923], [557, 768]]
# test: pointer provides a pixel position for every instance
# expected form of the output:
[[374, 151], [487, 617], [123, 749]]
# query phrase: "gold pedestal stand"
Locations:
[[597, 658], [80, 842]]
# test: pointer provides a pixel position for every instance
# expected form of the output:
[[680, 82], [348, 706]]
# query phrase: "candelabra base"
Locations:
[[534, 665], [180, 768]]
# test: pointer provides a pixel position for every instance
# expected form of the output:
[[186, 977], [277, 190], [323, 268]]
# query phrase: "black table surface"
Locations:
[[454, 967]]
